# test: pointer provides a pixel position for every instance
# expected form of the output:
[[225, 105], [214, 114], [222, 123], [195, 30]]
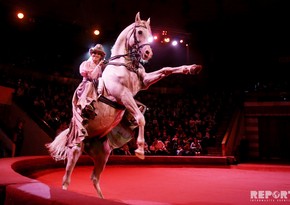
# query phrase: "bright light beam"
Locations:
[[20, 15], [174, 43]]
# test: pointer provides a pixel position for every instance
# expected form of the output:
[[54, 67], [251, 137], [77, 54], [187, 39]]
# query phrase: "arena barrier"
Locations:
[[16, 187]]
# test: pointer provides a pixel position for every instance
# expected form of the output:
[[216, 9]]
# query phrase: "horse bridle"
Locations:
[[135, 48], [133, 52]]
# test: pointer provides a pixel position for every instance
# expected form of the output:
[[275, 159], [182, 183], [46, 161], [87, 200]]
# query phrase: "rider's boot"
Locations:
[[139, 152], [88, 113]]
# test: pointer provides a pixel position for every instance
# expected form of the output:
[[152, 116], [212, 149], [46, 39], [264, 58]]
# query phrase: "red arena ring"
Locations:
[[157, 180]]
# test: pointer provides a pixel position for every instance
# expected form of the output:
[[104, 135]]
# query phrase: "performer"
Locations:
[[91, 70], [85, 94]]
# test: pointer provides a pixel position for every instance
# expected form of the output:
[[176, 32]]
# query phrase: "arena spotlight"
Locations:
[[96, 32], [164, 33], [20, 15], [166, 40], [174, 43]]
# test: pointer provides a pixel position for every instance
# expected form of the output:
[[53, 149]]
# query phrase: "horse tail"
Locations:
[[57, 148]]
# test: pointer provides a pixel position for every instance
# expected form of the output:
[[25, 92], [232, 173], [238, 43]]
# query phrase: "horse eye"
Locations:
[[140, 32]]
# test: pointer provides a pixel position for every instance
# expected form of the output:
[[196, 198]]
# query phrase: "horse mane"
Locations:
[[119, 42]]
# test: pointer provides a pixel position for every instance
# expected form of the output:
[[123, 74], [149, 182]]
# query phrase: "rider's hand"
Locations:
[[101, 63]]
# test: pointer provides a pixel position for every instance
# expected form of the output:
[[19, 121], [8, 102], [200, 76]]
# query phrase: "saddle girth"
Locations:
[[113, 104]]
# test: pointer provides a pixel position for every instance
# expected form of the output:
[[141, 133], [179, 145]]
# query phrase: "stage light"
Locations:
[[167, 40], [164, 33], [174, 43], [96, 32], [20, 15], [181, 41]]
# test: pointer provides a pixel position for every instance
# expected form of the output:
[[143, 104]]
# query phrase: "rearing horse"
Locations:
[[123, 77]]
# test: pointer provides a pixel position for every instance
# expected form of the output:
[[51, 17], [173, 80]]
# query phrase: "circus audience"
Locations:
[[158, 147], [146, 149], [173, 121], [179, 150], [195, 147], [177, 124], [165, 122], [125, 149]]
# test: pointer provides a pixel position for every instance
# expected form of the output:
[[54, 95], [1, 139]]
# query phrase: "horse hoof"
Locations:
[[195, 70], [139, 154]]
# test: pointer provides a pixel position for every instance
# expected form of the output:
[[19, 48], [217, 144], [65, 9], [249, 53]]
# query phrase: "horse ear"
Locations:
[[148, 21], [137, 18]]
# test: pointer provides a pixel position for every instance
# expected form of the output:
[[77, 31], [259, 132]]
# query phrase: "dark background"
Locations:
[[235, 40]]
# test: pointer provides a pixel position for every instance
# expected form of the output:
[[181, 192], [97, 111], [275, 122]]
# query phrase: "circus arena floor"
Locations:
[[157, 181]]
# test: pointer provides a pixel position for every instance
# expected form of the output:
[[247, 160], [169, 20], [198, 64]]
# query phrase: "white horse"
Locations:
[[111, 124]]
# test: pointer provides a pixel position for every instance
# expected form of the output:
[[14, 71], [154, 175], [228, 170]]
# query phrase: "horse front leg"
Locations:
[[184, 69], [139, 152], [131, 105], [155, 76], [73, 155]]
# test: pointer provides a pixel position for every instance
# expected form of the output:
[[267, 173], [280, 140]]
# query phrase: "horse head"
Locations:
[[139, 38]]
